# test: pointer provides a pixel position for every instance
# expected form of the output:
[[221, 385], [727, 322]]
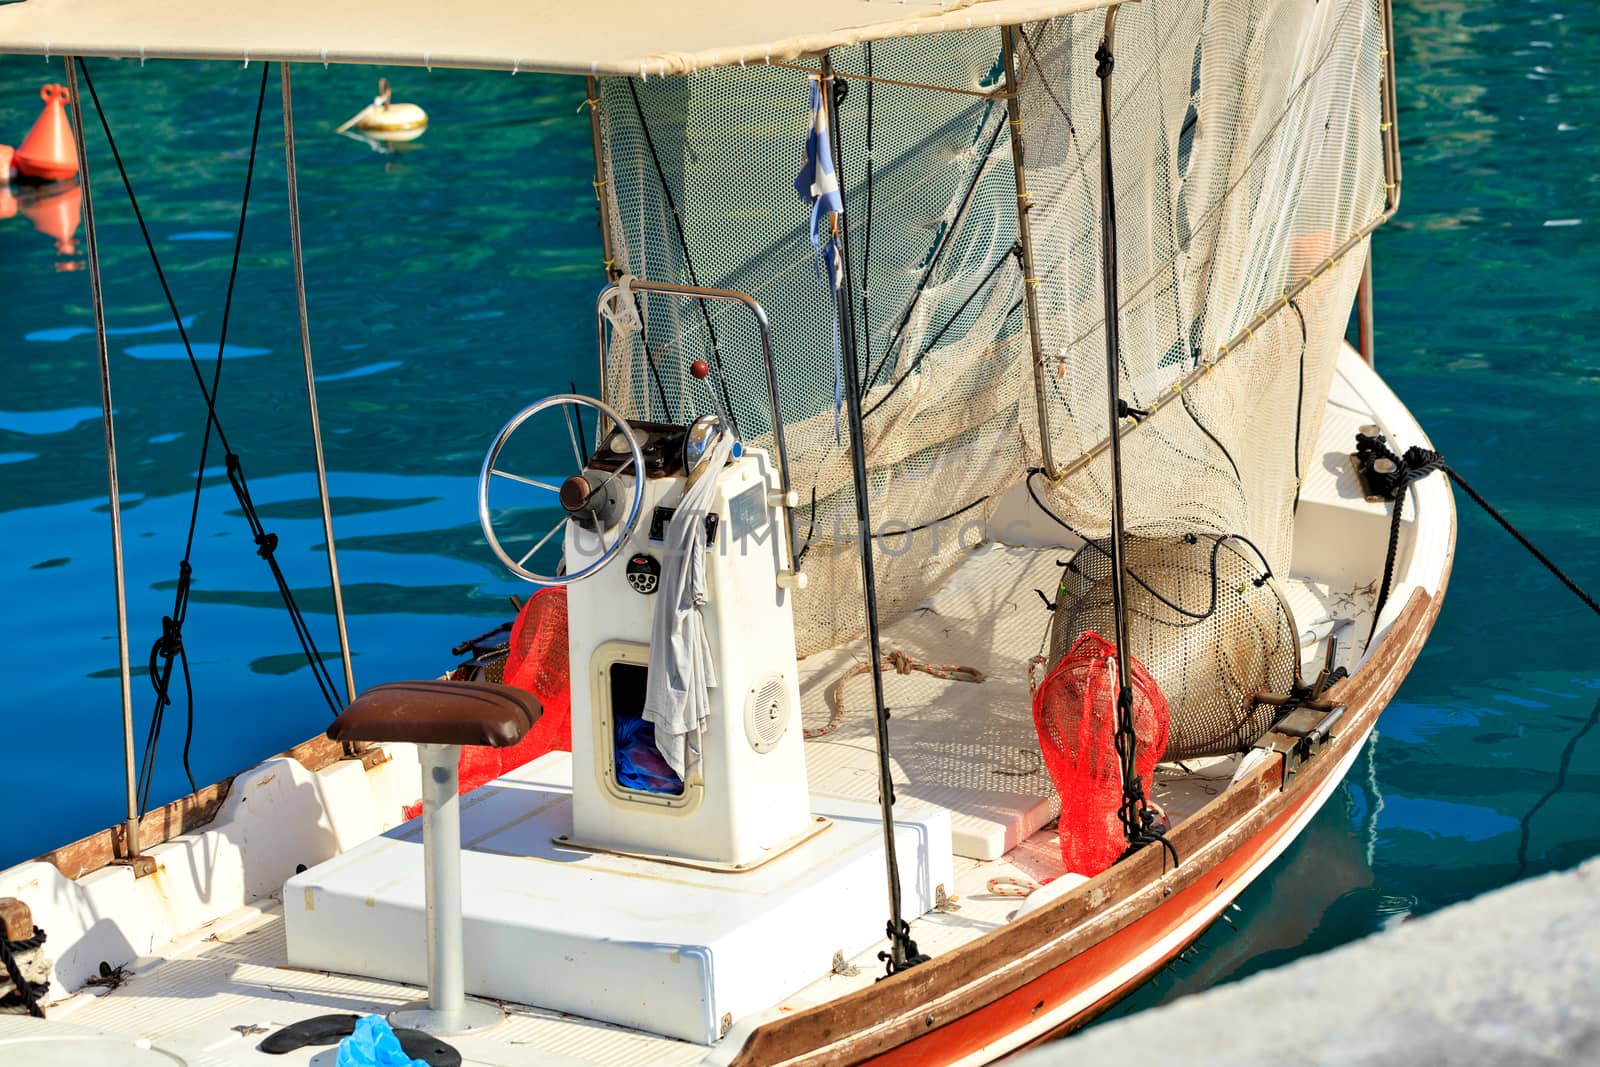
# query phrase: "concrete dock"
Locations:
[[1511, 977]]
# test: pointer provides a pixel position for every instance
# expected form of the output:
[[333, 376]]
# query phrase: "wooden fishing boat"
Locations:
[[861, 434]]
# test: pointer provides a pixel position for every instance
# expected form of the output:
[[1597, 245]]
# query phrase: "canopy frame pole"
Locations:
[[601, 183], [297, 256], [1030, 280], [903, 951], [118, 574]]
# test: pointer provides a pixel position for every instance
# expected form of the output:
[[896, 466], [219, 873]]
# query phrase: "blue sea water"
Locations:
[[452, 283]]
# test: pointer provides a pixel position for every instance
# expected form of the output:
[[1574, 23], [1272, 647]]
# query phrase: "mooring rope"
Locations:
[[1415, 464]]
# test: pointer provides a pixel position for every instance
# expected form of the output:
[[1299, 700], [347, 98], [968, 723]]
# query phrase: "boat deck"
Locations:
[[211, 995]]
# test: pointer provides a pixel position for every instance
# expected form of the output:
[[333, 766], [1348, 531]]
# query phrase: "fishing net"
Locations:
[[1248, 147], [537, 657], [1075, 713], [1205, 620]]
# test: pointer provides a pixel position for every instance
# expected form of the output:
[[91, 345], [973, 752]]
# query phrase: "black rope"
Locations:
[[266, 548], [24, 993], [1299, 400], [834, 96], [169, 646], [946, 239], [683, 243], [266, 543], [962, 510], [1391, 484], [900, 935], [1216, 547], [1014, 253], [866, 252]]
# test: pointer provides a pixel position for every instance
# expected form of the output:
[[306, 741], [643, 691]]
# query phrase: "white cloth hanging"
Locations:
[[677, 694]]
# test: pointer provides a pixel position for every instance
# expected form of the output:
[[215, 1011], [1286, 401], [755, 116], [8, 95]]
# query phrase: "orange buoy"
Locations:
[[48, 153], [6, 169]]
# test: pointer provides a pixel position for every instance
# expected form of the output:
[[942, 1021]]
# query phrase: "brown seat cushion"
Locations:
[[439, 713]]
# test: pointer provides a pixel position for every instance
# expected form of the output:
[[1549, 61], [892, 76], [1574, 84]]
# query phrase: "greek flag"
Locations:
[[818, 186]]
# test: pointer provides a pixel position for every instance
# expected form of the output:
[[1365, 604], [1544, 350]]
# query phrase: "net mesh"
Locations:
[[537, 657], [1204, 619], [1247, 144]]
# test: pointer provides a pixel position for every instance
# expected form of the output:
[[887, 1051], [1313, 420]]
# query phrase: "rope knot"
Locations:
[[900, 662], [266, 545], [1105, 60], [1126, 410], [170, 643]]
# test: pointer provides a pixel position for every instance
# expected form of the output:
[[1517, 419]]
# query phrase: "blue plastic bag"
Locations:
[[373, 1044]]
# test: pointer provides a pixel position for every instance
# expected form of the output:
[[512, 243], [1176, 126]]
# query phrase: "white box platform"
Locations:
[[669, 949]]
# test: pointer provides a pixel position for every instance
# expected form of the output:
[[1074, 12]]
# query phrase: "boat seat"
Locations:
[[439, 713], [439, 717]]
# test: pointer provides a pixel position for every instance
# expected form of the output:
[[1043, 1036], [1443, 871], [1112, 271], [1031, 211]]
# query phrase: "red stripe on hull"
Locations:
[[990, 1024]]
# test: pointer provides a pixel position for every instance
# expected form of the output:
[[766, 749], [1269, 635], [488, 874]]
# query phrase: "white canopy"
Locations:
[[636, 37]]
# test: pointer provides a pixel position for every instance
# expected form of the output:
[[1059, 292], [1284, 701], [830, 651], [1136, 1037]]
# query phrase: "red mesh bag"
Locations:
[[537, 662], [1074, 711]]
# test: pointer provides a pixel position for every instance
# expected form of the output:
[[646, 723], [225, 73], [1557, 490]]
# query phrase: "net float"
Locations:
[[385, 121]]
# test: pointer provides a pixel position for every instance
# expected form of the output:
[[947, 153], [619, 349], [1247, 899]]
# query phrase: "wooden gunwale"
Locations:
[[975, 995], [90, 854]]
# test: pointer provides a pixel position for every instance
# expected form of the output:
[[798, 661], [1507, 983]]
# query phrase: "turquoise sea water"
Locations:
[[453, 283]]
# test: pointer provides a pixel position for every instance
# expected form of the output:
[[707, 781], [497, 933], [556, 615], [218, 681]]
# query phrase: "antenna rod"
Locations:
[[118, 577], [311, 384], [1108, 251], [902, 950]]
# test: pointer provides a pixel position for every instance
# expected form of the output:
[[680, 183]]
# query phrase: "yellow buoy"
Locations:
[[385, 121]]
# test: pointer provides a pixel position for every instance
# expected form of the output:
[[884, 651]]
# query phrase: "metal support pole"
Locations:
[[1030, 280], [1364, 309], [119, 580], [600, 180], [297, 255], [1108, 252], [902, 950], [447, 1009]]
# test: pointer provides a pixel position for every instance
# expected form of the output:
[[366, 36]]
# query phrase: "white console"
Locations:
[[747, 802]]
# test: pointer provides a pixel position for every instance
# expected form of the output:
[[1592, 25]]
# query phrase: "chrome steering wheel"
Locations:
[[577, 495]]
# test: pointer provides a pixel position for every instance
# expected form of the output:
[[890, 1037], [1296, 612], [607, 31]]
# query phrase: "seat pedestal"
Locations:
[[447, 1009]]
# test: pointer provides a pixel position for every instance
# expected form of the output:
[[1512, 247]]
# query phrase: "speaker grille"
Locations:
[[766, 714]]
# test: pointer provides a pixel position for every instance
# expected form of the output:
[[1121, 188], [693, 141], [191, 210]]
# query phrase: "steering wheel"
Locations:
[[582, 497]]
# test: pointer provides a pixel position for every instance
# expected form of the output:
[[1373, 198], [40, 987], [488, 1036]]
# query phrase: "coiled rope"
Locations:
[[900, 663], [25, 993]]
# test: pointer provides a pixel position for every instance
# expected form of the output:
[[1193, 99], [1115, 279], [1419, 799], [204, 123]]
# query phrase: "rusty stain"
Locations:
[[311, 899]]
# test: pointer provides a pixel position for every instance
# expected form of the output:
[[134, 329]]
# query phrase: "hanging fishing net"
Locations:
[[537, 658], [1248, 147], [537, 661], [1075, 713], [1205, 620]]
